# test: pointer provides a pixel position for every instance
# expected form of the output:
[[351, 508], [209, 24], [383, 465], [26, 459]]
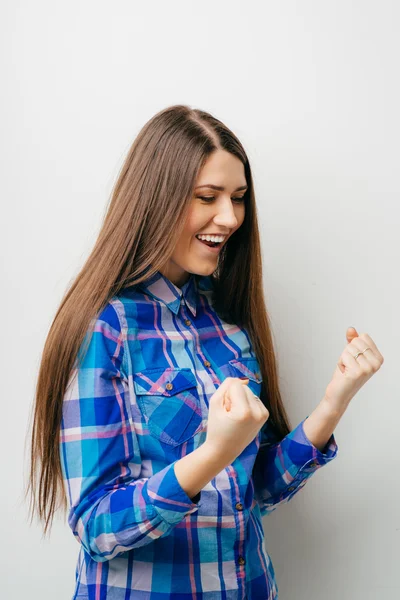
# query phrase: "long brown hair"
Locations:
[[151, 196]]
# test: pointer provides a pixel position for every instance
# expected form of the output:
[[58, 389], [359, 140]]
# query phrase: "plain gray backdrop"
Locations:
[[312, 90]]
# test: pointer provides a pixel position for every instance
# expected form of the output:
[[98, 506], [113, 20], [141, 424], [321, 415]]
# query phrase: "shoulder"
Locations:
[[119, 310], [107, 335], [109, 317]]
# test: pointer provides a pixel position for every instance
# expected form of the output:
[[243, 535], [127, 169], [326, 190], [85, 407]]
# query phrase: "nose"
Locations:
[[225, 215]]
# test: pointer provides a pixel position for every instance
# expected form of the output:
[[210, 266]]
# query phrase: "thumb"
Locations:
[[351, 333], [227, 401]]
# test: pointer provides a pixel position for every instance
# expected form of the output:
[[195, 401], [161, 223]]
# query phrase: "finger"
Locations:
[[347, 360], [368, 357], [254, 403], [235, 395], [228, 403], [220, 391], [351, 333], [370, 342], [257, 407], [227, 382], [367, 365]]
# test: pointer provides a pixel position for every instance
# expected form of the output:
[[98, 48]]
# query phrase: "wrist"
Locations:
[[332, 407], [194, 470], [213, 456], [321, 423]]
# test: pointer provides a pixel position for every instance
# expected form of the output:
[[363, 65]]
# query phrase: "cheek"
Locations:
[[187, 237], [193, 225]]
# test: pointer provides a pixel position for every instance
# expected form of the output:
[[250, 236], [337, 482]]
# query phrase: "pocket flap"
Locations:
[[163, 382], [248, 367]]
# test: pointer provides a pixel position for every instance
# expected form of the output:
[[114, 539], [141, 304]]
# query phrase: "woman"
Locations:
[[158, 414]]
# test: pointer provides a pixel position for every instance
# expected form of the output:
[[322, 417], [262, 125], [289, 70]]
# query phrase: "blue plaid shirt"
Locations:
[[138, 404]]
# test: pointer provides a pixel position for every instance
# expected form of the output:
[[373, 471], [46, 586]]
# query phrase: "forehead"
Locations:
[[222, 169]]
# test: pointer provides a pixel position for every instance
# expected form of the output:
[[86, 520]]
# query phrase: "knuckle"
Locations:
[[245, 416]]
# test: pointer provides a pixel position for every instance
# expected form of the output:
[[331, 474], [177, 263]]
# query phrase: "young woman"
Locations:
[[158, 417]]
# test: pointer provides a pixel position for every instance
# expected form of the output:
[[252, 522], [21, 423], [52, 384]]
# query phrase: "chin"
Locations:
[[204, 269]]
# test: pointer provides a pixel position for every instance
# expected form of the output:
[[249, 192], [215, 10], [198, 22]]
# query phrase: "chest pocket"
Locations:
[[169, 402], [248, 367]]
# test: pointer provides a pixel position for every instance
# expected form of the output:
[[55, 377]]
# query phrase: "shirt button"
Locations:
[[239, 506], [313, 464], [258, 375], [169, 386], [207, 363], [241, 560], [290, 489], [187, 322]]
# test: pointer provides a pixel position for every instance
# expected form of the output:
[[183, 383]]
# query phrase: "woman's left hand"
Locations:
[[350, 373]]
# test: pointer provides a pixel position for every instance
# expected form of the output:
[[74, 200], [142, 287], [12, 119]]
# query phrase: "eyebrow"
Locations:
[[220, 187]]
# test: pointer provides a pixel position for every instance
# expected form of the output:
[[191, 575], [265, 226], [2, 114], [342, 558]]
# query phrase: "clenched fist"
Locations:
[[235, 417], [358, 362]]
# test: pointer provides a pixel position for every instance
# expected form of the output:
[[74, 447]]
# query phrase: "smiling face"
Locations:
[[212, 211]]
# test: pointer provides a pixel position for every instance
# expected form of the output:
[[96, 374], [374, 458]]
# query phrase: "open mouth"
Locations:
[[209, 243]]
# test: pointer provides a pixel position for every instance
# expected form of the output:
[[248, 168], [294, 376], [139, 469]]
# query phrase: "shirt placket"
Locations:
[[199, 352], [240, 544]]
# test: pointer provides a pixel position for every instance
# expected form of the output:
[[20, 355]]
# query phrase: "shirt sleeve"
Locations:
[[112, 508], [281, 469]]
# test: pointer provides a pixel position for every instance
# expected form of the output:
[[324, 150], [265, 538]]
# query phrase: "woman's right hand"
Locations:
[[235, 417]]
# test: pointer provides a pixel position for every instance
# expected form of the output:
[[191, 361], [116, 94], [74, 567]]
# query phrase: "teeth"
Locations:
[[211, 238]]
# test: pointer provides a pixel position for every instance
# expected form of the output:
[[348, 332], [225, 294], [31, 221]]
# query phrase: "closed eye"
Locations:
[[211, 198]]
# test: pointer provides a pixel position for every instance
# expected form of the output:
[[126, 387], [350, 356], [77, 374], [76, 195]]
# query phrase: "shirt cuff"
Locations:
[[164, 492], [304, 454]]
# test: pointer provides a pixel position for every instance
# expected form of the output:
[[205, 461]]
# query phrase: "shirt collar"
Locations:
[[161, 288]]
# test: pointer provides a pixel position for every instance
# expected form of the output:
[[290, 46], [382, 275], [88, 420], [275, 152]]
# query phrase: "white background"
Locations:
[[312, 90]]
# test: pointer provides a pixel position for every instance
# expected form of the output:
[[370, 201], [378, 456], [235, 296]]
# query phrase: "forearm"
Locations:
[[321, 423], [196, 469]]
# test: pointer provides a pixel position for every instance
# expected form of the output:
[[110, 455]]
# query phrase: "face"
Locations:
[[212, 211]]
